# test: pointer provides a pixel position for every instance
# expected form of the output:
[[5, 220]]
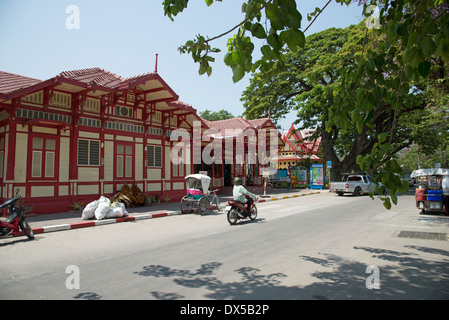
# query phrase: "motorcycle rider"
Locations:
[[239, 193]]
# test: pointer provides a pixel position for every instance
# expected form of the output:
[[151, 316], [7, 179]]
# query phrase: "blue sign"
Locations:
[[317, 176]]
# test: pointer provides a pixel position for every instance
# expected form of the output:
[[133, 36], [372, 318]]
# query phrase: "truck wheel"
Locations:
[[357, 191]]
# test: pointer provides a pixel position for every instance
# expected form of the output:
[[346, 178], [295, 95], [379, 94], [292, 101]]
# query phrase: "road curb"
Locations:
[[93, 223], [288, 197]]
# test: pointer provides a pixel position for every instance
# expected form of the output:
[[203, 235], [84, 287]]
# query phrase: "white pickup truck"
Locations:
[[357, 184]]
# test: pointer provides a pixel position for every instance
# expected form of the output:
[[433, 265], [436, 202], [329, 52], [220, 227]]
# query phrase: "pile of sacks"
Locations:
[[104, 209]]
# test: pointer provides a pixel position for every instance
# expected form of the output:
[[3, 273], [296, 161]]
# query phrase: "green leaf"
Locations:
[[370, 64], [238, 72], [266, 51], [209, 2], [413, 56], [228, 58], [360, 94], [236, 56], [275, 16], [443, 47], [410, 73], [382, 137], [258, 31], [273, 41], [427, 46], [424, 68], [394, 198], [293, 39], [387, 203], [359, 126]]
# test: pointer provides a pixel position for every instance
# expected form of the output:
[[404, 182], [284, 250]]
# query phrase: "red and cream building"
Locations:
[[240, 140], [84, 133]]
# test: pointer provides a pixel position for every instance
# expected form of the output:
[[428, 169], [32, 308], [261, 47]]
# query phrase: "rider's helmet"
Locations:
[[238, 181]]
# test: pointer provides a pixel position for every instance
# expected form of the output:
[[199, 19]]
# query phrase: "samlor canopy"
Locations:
[[430, 172]]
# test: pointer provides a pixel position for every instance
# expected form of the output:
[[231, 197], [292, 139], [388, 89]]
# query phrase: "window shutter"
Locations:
[[157, 156], [83, 152], [94, 150]]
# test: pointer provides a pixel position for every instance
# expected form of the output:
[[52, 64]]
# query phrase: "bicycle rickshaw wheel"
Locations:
[[216, 201], [186, 205], [203, 205]]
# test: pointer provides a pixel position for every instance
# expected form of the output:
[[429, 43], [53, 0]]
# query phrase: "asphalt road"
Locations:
[[316, 247]]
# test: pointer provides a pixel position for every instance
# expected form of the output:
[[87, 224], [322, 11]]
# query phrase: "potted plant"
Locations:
[[77, 206], [148, 201]]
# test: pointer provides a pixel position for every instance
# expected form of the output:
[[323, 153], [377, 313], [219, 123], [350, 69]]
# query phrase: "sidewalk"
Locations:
[[72, 220]]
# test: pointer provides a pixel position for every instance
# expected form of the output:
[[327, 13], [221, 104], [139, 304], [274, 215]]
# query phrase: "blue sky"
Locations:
[[123, 37]]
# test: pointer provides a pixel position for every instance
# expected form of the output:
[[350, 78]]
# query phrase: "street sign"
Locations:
[[329, 164]]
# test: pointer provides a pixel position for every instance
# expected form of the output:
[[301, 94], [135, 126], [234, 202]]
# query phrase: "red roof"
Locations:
[[299, 140], [236, 123], [10, 82], [93, 76], [231, 128]]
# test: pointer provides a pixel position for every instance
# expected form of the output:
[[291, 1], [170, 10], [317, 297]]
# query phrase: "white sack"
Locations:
[[114, 213], [102, 209], [120, 205], [89, 210], [117, 210]]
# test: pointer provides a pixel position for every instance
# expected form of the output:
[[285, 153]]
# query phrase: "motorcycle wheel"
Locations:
[[232, 216], [253, 214], [26, 228]]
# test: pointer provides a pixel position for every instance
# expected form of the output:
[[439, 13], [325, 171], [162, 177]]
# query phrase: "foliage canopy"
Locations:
[[383, 80]]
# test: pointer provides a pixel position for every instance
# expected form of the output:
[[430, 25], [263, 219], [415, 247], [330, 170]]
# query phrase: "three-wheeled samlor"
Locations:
[[432, 191]]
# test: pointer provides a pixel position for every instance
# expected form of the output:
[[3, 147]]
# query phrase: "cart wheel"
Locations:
[[203, 205], [186, 205]]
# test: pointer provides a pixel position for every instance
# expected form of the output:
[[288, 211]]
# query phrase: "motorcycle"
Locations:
[[16, 220], [236, 211]]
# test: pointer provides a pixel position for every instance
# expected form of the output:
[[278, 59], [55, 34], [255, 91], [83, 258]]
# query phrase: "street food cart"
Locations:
[[432, 191]]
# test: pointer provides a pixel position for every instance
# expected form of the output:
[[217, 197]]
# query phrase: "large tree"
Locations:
[[413, 47], [310, 84], [222, 114]]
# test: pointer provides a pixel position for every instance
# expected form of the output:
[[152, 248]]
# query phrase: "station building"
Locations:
[[84, 133]]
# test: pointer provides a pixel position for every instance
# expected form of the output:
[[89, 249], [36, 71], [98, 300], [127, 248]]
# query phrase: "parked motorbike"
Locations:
[[16, 219], [236, 211]]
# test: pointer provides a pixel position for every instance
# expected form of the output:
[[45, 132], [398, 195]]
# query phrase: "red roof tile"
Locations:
[[10, 82], [235, 124], [94, 76]]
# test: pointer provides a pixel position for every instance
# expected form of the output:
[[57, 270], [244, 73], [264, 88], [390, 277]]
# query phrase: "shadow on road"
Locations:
[[403, 275]]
